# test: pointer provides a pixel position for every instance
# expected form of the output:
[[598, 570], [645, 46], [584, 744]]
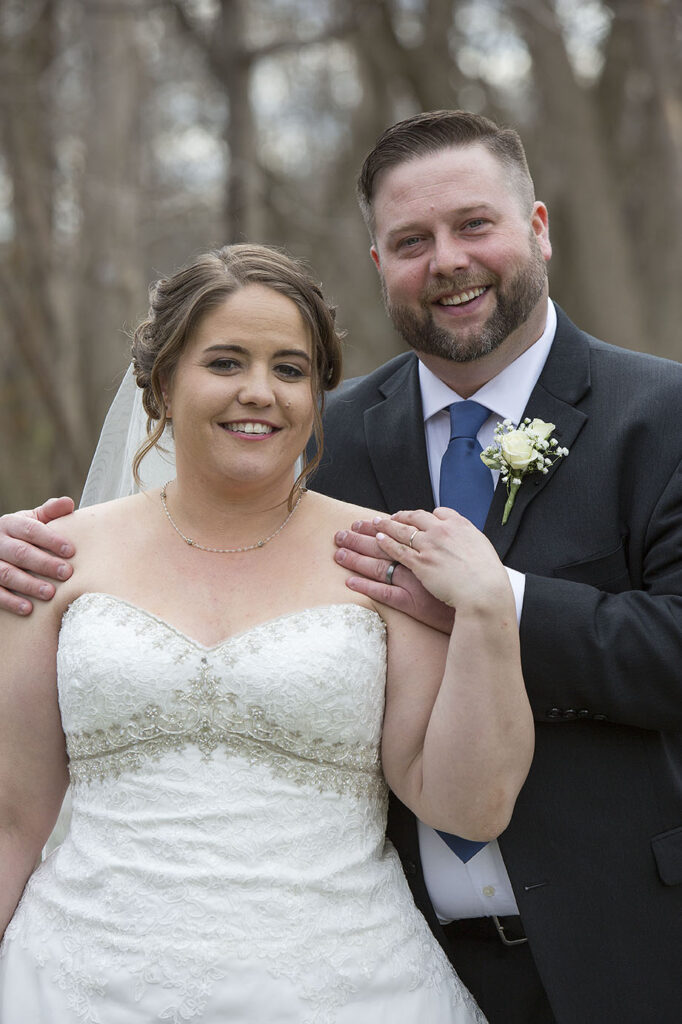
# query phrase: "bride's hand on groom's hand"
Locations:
[[29, 549], [451, 558], [360, 553]]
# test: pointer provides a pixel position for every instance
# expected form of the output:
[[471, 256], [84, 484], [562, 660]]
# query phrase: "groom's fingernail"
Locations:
[[66, 551], [340, 556], [45, 592], [63, 572], [341, 536]]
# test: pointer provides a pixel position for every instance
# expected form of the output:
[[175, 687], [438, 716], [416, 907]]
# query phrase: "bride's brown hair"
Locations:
[[178, 303]]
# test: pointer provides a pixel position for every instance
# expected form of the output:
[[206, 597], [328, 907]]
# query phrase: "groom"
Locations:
[[575, 915], [592, 860]]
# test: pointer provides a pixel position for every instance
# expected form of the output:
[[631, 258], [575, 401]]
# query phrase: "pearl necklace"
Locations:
[[224, 551]]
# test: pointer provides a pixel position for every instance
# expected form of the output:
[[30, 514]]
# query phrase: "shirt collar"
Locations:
[[507, 394]]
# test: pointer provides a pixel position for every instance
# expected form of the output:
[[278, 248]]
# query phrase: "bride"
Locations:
[[228, 713]]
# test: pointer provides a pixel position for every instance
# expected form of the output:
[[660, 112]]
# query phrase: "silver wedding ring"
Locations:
[[412, 538], [390, 571]]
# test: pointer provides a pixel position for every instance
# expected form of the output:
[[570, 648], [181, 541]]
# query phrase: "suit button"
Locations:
[[584, 713], [599, 718], [554, 713], [569, 713]]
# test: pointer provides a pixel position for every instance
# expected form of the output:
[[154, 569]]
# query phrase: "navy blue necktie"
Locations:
[[467, 486], [465, 482]]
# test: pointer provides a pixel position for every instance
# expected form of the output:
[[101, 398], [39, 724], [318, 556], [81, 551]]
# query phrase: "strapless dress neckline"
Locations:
[[265, 624]]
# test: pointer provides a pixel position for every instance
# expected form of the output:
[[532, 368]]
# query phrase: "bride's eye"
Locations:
[[224, 363], [289, 371]]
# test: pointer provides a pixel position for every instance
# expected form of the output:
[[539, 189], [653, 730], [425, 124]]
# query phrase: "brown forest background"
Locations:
[[135, 132]]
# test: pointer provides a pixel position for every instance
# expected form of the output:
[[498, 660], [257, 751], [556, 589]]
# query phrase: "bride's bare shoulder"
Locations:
[[95, 521], [339, 514]]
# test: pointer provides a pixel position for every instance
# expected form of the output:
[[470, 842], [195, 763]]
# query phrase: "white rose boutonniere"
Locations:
[[516, 451]]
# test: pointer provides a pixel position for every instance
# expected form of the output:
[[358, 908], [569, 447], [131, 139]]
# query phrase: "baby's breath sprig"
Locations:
[[517, 451]]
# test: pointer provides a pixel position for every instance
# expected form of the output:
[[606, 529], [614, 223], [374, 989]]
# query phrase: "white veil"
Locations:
[[124, 430]]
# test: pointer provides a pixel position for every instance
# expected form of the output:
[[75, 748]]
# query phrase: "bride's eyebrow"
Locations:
[[225, 347], [298, 352], [282, 353]]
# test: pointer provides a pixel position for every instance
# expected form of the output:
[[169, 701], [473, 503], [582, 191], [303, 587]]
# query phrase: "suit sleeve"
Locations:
[[614, 657]]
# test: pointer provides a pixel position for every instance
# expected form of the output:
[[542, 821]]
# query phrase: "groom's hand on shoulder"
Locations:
[[359, 552], [30, 549]]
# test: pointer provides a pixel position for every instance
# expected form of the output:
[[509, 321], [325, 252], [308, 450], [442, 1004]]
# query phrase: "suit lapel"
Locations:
[[394, 432], [564, 380]]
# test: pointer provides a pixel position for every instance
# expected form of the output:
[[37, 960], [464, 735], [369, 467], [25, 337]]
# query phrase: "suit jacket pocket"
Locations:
[[607, 572], [667, 849]]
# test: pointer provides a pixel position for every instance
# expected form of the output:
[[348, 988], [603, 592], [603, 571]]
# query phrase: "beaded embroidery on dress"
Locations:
[[226, 856]]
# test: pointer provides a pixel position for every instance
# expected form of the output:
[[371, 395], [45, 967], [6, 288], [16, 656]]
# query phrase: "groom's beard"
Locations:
[[515, 302]]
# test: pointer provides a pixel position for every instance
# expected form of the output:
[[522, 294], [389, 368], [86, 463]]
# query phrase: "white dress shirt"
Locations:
[[481, 886]]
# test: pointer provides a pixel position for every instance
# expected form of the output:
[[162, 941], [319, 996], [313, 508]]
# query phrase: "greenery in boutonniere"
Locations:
[[517, 451]]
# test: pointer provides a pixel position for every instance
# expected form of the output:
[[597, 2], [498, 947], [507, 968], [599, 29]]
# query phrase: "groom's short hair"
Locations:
[[428, 133]]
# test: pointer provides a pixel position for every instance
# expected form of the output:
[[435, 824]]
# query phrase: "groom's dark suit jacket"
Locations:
[[594, 849]]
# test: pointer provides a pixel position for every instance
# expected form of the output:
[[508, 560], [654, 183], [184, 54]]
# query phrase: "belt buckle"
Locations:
[[503, 938]]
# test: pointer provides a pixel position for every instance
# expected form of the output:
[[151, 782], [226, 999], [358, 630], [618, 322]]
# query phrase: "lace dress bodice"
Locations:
[[226, 857]]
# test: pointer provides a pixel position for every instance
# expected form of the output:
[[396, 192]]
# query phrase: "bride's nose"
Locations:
[[256, 388]]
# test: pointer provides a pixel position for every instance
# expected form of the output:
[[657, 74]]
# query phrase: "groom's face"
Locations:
[[461, 255]]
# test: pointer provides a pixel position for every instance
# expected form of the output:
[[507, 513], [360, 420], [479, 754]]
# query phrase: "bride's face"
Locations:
[[241, 397]]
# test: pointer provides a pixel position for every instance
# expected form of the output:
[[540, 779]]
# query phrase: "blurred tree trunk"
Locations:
[[226, 51], [423, 72], [241, 214], [639, 100], [598, 279], [66, 294], [110, 258], [32, 325]]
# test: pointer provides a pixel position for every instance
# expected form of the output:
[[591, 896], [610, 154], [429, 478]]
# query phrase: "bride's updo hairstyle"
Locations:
[[178, 303]]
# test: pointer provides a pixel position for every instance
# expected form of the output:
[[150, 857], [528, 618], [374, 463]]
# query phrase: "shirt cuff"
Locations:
[[518, 585]]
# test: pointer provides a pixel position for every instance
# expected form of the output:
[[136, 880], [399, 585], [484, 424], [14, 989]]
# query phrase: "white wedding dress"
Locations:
[[226, 859]]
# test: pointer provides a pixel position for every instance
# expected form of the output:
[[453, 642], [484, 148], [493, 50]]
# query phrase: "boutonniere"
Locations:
[[517, 451]]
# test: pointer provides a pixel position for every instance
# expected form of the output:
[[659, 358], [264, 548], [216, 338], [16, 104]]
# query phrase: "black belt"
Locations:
[[507, 930]]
